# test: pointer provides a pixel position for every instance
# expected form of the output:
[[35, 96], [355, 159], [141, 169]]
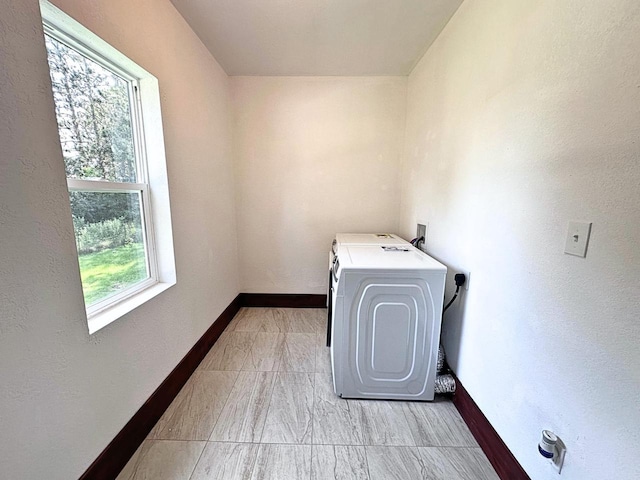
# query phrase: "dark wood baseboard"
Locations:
[[116, 455], [283, 300], [503, 461]]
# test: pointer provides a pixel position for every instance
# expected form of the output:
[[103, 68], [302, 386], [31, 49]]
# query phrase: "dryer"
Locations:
[[386, 319], [343, 239], [368, 239]]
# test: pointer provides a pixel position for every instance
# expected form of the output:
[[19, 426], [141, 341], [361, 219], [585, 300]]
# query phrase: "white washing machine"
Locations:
[[386, 318], [343, 239]]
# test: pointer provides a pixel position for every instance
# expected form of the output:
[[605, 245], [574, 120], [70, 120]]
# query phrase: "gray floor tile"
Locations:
[[298, 354], [229, 352], [250, 319], [167, 460], [265, 353], [303, 320], [338, 462], [282, 462], [194, 412], [448, 463], [395, 463], [319, 319], [243, 416], [437, 423], [226, 461], [292, 320], [289, 419], [335, 420], [277, 322], [384, 423], [323, 354]]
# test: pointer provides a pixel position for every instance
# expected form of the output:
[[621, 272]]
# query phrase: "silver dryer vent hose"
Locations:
[[445, 384]]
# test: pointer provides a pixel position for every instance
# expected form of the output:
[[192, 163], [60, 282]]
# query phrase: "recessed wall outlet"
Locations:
[[421, 231], [467, 280], [577, 238]]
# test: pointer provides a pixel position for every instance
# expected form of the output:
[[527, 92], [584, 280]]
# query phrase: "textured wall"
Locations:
[[522, 116], [313, 156], [64, 394]]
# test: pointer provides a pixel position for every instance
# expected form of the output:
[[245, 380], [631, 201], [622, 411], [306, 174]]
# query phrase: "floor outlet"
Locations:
[[553, 449]]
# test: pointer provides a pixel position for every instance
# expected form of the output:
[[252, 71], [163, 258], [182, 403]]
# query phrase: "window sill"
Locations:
[[111, 314]]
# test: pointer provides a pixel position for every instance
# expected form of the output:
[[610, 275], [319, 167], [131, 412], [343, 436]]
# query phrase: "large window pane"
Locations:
[[110, 239], [93, 110]]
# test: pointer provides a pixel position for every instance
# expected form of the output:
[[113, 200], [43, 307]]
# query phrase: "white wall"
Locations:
[[64, 394], [522, 116], [313, 156]]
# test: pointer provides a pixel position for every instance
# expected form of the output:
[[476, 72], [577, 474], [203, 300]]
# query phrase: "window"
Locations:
[[102, 101]]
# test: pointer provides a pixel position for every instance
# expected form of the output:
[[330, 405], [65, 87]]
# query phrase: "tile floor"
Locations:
[[261, 406]]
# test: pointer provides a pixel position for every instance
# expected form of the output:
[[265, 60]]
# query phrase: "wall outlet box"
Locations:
[[421, 231], [577, 238]]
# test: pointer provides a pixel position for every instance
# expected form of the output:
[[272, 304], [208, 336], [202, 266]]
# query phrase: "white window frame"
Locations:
[[152, 184]]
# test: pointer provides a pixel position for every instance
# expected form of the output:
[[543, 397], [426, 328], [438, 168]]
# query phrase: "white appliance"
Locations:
[[368, 239], [354, 239], [385, 323]]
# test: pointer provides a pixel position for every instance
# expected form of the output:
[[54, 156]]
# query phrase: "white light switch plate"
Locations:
[[577, 238]]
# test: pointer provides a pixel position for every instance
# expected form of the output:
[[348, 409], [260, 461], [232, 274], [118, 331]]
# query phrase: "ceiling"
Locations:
[[317, 37]]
